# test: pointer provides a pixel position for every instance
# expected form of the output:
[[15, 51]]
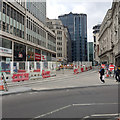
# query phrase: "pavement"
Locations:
[[63, 80]]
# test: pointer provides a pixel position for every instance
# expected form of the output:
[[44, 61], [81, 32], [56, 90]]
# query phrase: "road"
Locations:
[[71, 103]]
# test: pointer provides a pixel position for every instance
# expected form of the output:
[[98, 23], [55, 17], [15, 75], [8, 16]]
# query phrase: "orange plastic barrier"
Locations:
[[21, 71], [82, 70], [38, 70], [90, 67], [76, 71], [45, 74], [20, 77], [1, 85]]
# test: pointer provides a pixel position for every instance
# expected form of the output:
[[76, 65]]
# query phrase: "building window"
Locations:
[[94, 38], [3, 26], [6, 43], [7, 28], [4, 8], [8, 10]]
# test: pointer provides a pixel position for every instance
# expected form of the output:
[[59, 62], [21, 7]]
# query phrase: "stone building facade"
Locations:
[[61, 38], [109, 40]]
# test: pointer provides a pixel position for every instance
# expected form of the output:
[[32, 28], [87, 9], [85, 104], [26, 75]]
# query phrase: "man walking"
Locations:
[[118, 74], [102, 72]]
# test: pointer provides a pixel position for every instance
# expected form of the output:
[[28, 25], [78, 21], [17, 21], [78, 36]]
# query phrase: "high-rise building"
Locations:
[[90, 51], [77, 27], [37, 9]]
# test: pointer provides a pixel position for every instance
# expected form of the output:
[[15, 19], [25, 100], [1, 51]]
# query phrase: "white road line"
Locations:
[[87, 104], [53, 111], [97, 115], [95, 104], [86, 117]]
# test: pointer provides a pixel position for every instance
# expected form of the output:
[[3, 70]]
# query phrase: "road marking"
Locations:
[[87, 104], [62, 108], [97, 115], [94, 104]]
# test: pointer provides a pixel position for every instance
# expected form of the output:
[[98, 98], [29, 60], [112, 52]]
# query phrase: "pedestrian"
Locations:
[[102, 73], [118, 74]]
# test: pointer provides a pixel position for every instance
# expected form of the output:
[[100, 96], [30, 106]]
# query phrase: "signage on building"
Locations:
[[5, 50], [37, 57], [43, 57]]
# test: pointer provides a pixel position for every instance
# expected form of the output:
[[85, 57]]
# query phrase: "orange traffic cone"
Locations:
[[107, 75], [1, 85]]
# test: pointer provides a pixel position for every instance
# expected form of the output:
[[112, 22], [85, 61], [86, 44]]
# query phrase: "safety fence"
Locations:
[[24, 71], [79, 66]]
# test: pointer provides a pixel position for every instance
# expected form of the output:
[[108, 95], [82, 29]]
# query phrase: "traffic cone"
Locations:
[[1, 85], [107, 75]]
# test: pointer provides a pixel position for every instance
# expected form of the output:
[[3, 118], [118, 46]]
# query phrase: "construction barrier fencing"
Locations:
[[81, 66]]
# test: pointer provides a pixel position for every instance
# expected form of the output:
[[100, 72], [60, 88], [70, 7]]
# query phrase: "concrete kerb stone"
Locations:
[[15, 92], [53, 89], [70, 88]]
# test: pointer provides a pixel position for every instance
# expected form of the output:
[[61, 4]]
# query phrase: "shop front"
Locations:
[[5, 54], [19, 52], [5, 49]]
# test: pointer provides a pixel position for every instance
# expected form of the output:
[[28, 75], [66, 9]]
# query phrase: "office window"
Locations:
[[8, 10], [21, 33], [6, 43], [11, 13], [15, 17], [14, 31], [11, 29], [4, 8], [3, 26], [18, 18], [7, 28]]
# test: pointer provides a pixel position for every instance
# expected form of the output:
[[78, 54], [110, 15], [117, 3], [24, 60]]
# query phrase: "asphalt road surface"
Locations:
[[91, 102]]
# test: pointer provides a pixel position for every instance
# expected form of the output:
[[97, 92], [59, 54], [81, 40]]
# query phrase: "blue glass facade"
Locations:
[[77, 26]]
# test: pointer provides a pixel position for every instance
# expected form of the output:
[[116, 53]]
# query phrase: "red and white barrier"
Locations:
[[20, 77]]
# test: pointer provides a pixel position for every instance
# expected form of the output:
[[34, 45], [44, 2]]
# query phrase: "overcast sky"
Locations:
[[95, 10]]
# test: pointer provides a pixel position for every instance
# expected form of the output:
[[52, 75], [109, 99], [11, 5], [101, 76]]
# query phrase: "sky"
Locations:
[[95, 10]]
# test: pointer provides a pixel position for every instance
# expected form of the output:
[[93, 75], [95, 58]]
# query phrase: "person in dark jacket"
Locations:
[[118, 74], [102, 73]]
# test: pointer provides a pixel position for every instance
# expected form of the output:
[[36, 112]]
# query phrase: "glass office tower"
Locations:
[[77, 26]]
